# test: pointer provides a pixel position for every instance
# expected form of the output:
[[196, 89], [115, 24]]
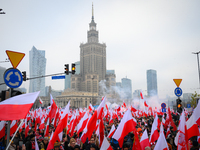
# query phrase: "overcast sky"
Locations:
[[139, 35]]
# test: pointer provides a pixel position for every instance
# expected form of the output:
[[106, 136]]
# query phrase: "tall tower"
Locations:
[[152, 82], [37, 65], [92, 59]]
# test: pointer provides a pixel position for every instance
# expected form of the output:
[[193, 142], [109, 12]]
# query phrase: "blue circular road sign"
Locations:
[[178, 91], [163, 105], [13, 78]]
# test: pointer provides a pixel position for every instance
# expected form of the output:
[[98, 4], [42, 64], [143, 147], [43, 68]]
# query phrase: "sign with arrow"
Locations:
[[13, 78]]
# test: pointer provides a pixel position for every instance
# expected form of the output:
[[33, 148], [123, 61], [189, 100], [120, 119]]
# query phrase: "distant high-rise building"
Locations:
[[127, 87], [152, 83], [92, 62], [3, 86], [37, 65]]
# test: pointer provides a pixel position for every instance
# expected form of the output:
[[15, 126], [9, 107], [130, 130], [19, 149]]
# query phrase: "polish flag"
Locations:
[[101, 131], [105, 145], [133, 109], [197, 114], [36, 144], [26, 128], [126, 125], [192, 127], [58, 134], [154, 132], [112, 131], [124, 104], [42, 124], [84, 133], [17, 107], [13, 127], [2, 129], [53, 109], [46, 133], [168, 131], [145, 103], [90, 107], [181, 139], [92, 121], [81, 125], [141, 95], [144, 141], [41, 102], [161, 143]]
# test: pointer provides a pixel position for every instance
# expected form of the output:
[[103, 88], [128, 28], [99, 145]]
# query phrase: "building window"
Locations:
[[85, 103], [73, 79]]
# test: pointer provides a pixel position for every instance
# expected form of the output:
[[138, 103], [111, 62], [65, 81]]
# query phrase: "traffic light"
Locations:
[[179, 105], [73, 68], [66, 69], [24, 75]]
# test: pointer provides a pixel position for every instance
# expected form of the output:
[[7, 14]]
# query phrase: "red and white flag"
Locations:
[[90, 107], [53, 109], [17, 107], [36, 144], [192, 127], [112, 131], [126, 125], [105, 145], [2, 129], [181, 139], [144, 141], [46, 133], [196, 114], [145, 103], [41, 102], [41, 127], [154, 132], [81, 125], [13, 127], [161, 143], [58, 134], [133, 109], [141, 95]]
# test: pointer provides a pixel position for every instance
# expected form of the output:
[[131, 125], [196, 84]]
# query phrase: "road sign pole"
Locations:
[[8, 125]]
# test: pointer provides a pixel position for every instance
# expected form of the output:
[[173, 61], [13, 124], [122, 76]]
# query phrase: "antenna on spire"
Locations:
[[92, 12]]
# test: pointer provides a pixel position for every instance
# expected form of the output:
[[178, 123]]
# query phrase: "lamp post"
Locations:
[[197, 53]]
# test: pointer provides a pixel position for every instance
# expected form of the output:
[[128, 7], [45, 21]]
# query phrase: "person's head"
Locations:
[[72, 142], [76, 147], [126, 146], [147, 148], [92, 147], [195, 143], [46, 140], [92, 140], [38, 131], [56, 146]]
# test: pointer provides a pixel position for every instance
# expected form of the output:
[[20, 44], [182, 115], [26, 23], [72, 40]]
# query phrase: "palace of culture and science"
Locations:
[[85, 88]]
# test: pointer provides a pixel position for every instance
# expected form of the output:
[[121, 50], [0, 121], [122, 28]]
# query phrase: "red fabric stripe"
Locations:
[[155, 136], [109, 148], [2, 132], [128, 127], [144, 143], [14, 112], [193, 131]]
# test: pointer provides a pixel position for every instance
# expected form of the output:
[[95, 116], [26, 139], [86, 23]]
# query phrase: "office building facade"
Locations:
[[152, 83], [37, 66]]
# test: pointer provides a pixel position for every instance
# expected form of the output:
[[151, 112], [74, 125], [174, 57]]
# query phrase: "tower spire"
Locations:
[[92, 12]]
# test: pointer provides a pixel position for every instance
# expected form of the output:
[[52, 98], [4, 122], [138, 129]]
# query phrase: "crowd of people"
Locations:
[[70, 141]]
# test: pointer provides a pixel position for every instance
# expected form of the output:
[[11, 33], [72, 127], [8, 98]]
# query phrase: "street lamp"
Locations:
[[197, 53]]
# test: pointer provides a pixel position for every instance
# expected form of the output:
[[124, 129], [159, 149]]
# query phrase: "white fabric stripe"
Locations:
[[21, 99]]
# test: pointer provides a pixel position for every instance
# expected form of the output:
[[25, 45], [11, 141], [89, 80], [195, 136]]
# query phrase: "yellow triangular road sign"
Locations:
[[15, 57], [177, 82]]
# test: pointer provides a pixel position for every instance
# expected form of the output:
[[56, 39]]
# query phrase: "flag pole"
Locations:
[[14, 134]]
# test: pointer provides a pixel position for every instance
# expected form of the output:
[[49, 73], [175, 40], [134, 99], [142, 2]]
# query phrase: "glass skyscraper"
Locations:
[[37, 66], [127, 87], [152, 82]]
